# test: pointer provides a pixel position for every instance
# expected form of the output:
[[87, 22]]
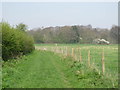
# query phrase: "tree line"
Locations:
[[74, 34], [15, 41]]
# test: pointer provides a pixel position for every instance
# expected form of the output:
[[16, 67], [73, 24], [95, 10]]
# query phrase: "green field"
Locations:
[[54, 68], [110, 54]]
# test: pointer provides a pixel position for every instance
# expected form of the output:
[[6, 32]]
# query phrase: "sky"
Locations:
[[38, 14]]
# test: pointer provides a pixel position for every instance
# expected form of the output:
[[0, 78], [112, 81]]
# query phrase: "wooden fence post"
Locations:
[[75, 57], [89, 58], [72, 52], [103, 64], [66, 51], [62, 50], [57, 50], [53, 49], [80, 56]]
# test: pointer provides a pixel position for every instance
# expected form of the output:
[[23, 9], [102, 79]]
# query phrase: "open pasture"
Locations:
[[89, 55]]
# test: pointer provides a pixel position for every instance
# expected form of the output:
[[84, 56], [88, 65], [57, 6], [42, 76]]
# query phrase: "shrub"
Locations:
[[15, 42]]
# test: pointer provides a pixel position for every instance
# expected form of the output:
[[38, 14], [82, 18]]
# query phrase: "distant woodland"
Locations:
[[74, 34]]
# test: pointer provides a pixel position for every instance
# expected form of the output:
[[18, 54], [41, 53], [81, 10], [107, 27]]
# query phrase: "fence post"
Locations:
[[80, 56], [89, 58], [50, 48], [103, 64], [62, 51], [66, 51], [53, 49], [72, 52], [75, 57]]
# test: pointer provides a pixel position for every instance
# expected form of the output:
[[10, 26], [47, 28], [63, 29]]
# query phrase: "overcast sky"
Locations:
[[38, 14]]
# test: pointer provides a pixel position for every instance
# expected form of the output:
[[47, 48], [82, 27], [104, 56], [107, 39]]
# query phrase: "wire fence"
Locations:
[[103, 58]]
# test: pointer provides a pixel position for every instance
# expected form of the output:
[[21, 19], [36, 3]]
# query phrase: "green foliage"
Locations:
[[15, 42], [21, 27], [77, 33], [74, 34], [90, 77]]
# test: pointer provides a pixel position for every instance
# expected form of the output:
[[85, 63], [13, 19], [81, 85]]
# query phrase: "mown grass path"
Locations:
[[45, 72], [43, 69], [40, 70]]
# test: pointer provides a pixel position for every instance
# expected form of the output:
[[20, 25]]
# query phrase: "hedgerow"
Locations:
[[15, 42]]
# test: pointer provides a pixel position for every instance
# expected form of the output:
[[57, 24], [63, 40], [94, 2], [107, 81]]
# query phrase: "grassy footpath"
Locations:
[[43, 69], [39, 70]]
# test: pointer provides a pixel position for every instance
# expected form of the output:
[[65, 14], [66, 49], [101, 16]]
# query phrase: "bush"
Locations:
[[15, 42]]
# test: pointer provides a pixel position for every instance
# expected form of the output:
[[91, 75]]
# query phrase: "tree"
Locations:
[[75, 29], [15, 42], [22, 27], [114, 34], [74, 34]]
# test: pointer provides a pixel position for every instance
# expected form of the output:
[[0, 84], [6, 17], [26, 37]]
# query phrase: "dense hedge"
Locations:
[[15, 42]]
